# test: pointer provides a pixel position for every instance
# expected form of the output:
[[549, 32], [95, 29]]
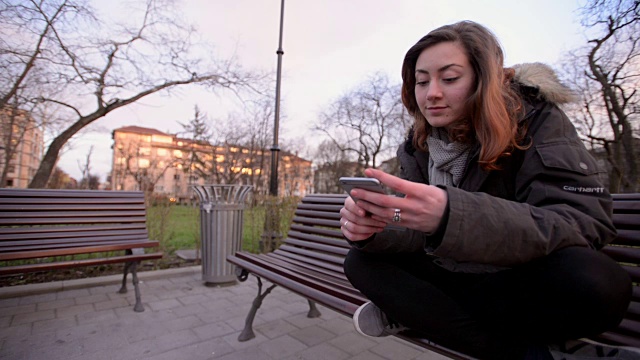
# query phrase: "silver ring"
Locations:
[[345, 224], [396, 216]]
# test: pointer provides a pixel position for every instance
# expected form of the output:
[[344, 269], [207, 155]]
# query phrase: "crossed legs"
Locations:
[[571, 293]]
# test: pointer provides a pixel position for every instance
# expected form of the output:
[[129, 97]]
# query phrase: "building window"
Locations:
[[9, 182], [176, 177]]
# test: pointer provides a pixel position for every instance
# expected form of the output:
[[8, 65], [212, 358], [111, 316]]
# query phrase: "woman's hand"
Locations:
[[357, 225], [421, 209]]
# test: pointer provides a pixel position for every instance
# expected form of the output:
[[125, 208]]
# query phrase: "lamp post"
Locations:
[[271, 236], [273, 181]]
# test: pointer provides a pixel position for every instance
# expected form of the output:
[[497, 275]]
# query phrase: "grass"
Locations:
[[177, 227]]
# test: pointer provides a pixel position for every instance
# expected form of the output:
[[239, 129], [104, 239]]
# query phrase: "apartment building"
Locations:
[[21, 148], [166, 164]]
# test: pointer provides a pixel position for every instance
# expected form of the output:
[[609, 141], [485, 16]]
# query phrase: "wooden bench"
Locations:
[[309, 263], [43, 229]]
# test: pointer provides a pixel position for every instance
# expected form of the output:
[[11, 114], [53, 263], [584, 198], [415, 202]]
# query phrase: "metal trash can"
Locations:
[[221, 221]]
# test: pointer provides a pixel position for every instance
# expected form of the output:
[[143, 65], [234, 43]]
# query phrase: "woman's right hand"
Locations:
[[356, 223]]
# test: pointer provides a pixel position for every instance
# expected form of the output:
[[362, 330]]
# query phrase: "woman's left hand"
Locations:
[[421, 209]]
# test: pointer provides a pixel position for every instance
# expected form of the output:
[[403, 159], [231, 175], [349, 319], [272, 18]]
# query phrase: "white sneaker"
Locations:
[[369, 320]]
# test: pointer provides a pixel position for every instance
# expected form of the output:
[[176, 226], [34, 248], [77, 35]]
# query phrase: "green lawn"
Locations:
[[178, 226]]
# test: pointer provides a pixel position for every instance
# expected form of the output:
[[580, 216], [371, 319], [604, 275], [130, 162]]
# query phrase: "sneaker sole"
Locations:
[[355, 323]]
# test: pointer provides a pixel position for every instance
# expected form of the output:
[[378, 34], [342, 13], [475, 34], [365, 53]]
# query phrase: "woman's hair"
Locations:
[[492, 109]]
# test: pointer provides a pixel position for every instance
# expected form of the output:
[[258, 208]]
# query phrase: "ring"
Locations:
[[396, 216], [345, 223]]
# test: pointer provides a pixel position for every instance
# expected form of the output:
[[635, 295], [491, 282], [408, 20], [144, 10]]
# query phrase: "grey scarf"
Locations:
[[447, 160]]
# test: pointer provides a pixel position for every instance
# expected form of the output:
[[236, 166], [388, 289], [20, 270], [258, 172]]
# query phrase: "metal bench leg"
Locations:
[[123, 289], [313, 310], [134, 274], [247, 332]]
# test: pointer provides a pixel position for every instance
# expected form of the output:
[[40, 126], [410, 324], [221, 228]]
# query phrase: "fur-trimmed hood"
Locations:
[[542, 77]]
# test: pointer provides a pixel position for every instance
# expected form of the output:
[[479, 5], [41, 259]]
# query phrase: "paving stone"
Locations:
[[113, 304], [72, 293], [17, 310], [34, 316], [72, 311], [54, 304], [213, 330], [353, 343], [52, 325], [91, 299], [164, 304], [232, 339], [10, 302], [186, 310], [301, 320], [338, 326], [193, 299], [96, 317], [17, 331], [252, 353], [282, 347], [322, 352], [34, 299], [312, 335], [366, 355], [78, 332], [204, 350], [275, 328], [395, 349], [5, 321]]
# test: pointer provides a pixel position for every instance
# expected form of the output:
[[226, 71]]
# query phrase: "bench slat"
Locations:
[[87, 232], [9, 270], [57, 231], [59, 193], [82, 220], [68, 242], [48, 206], [340, 243], [18, 255], [333, 233]]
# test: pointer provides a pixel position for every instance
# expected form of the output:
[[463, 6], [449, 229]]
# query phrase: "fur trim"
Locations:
[[542, 77]]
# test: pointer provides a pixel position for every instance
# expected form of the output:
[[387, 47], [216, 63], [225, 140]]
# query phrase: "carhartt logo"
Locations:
[[583, 189]]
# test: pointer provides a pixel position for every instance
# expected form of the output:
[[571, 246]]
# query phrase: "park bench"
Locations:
[[309, 262], [42, 229]]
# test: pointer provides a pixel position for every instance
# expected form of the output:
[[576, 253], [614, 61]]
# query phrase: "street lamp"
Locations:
[[273, 182], [271, 236]]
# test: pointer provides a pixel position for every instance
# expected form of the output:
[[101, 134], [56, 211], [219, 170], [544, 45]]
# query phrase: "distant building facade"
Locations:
[[21, 147], [165, 164]]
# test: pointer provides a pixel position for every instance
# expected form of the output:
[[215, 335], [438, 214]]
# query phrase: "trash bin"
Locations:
[[221, 221]]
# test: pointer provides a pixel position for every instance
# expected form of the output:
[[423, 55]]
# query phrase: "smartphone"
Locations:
[[371, 184]]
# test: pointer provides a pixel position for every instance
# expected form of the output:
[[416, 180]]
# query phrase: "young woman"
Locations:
[[502, 209]]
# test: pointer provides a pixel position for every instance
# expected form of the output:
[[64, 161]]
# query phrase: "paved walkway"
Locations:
[[88, 319]]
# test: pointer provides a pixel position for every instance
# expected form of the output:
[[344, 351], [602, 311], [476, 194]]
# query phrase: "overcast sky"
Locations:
[[330, 46]]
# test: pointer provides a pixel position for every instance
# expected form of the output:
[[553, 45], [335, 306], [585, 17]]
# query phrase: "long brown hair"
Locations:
[[492, 109]]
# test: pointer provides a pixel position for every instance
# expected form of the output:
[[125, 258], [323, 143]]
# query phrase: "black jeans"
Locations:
[[572, 293]]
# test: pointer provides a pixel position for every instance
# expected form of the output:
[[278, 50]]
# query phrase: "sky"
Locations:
[[330, 46]]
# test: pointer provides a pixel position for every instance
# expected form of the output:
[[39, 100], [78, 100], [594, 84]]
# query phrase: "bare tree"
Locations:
[[332, 163], [368, 122], [136, 161], [606, 74], [59, 52]]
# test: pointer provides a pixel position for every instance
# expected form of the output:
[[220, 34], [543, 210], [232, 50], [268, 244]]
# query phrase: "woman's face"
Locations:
[[444, 80]]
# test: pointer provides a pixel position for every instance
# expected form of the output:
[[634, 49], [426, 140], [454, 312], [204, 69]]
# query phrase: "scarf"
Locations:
[[447, 160]]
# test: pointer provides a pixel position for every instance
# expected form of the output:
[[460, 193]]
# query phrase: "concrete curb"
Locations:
[[34, 289]]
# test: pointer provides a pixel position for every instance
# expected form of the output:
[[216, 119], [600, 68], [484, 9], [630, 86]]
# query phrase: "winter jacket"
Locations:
[[544, 198]]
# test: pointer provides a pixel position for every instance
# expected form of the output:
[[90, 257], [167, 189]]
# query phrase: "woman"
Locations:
[[502, 207]]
